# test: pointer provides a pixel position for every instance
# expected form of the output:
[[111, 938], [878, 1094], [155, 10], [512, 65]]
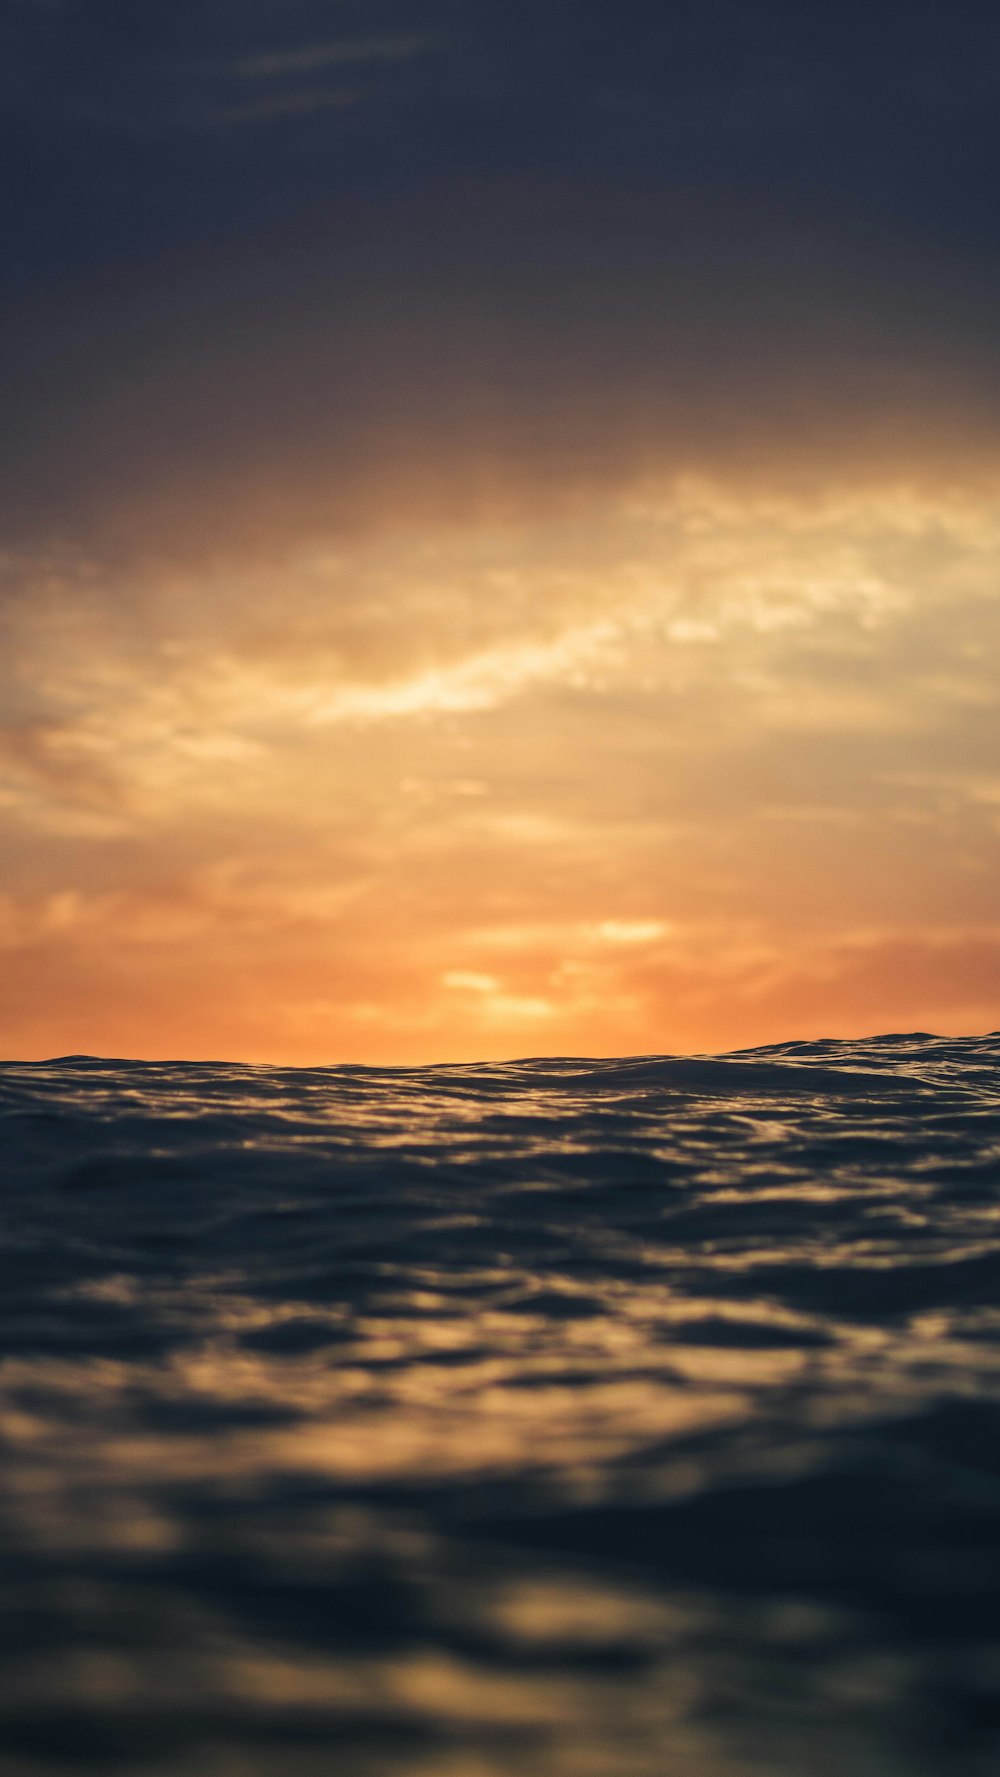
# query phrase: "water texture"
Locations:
[[554, 1419]]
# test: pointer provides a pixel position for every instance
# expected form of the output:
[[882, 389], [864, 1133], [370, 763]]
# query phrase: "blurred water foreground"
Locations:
[[554, 1419]]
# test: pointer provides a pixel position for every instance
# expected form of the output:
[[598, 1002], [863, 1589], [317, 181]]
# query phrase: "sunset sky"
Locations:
[[499, 526]]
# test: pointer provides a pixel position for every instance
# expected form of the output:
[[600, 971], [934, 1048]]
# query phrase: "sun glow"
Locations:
[[419, 793]]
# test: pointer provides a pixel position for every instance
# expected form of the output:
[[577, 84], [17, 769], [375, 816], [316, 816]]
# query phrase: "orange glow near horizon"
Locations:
[[686, 765]]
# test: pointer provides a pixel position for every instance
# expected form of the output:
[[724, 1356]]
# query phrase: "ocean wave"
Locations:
[[561, 1417]]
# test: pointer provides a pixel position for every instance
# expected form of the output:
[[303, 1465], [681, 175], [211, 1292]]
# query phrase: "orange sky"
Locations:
[[525, 640], [689, 763]]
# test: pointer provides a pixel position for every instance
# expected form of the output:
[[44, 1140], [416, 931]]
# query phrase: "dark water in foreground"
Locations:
[[565, 1419]]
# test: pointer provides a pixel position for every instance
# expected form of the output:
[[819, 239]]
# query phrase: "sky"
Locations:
[[499, 526]]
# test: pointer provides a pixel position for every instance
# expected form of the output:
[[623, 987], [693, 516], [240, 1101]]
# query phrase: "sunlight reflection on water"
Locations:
[[596, 1419]]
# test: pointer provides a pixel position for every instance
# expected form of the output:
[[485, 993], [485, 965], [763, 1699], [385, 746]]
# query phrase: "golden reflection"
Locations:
[[491, 1408]]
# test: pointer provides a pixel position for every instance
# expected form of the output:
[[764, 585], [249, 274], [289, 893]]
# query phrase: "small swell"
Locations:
[[558, 1417]]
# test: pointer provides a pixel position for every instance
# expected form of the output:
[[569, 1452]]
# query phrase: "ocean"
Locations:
[[558, 1418]]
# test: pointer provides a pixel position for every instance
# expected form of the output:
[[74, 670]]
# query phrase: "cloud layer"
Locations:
[[499, 526], [696, 767]]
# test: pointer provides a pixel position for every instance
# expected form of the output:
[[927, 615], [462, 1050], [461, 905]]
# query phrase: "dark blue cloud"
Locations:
[[133, 127]]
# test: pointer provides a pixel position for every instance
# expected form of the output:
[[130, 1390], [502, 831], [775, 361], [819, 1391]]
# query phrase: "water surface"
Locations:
[[553, 1419]]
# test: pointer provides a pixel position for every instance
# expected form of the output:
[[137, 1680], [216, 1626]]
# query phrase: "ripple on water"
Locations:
[[558, 1418]]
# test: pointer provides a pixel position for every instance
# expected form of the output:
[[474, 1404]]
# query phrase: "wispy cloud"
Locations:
[[340, 53]]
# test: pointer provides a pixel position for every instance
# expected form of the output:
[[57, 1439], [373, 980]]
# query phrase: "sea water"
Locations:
[[554, 1419]]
